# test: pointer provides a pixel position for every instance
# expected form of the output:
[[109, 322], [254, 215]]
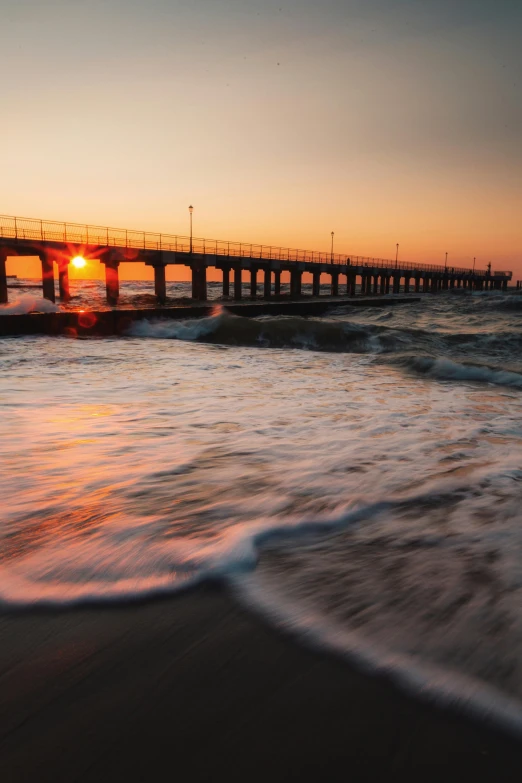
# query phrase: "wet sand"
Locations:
[[194, 688]]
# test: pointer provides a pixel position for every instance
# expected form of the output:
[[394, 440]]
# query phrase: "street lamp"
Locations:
[[474, 259], [191, 210], [331, 250], [396, 255], [446, 262]]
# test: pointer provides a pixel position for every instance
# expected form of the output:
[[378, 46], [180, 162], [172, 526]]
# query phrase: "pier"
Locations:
[[56, 244]]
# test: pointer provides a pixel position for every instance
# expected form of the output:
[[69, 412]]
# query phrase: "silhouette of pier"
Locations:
[[56, 244]]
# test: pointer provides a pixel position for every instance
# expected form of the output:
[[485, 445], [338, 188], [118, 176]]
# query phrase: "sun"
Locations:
[[79, 262]]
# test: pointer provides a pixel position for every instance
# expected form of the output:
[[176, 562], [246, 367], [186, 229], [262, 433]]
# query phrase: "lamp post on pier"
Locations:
[[331, 249], [474, 259], [446, 262], [191, 210], [396, 255]]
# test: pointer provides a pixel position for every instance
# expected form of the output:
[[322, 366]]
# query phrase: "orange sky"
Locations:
[[280, 120]]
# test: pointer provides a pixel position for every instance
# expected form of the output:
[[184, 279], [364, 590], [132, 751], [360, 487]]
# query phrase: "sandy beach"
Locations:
[[195, 688]]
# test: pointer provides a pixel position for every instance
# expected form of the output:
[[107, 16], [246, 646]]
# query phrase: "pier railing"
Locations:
[[33, 229]]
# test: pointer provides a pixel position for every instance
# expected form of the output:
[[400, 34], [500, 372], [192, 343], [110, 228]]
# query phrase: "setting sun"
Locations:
[[79, 262]]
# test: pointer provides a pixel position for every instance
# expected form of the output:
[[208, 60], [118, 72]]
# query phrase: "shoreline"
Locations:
[[116, 321], [196, 687]]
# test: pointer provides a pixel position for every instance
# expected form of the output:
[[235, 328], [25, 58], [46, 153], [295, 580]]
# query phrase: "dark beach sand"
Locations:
[[193, 688]]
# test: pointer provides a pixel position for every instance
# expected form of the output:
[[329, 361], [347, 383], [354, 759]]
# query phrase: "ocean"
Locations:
[[356, 478]]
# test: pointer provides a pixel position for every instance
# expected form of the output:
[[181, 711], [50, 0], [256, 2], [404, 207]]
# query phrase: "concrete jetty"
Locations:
[[56, 244], [116, 321]]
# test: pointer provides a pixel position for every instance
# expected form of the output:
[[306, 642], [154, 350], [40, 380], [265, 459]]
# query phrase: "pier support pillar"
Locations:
[[63, 282], [351, 284], [267, 284], [452, 282], [237, 282], [160, 284], [253, 282], [396, 284], [425, 284], [199, 282], [382, 287], [387, 286], [277, 282], [295, 282], [112, 282], [335, 283], [47, 277], [434, 285], [376, 284], [417, 284], [406, 285], [226, 281], [203, 283], [4, 298], [316, 284]]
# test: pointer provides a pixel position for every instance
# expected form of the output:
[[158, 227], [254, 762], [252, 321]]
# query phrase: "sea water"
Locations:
[[356, 477]]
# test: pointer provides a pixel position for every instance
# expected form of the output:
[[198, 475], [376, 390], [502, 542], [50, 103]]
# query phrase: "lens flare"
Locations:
[[79, 262]]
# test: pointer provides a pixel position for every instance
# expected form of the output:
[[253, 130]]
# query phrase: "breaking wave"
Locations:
[[445, 369], [29, 304], [434, 354], [276, 332]]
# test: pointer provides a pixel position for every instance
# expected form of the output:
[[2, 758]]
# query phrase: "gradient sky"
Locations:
[[280, 120]]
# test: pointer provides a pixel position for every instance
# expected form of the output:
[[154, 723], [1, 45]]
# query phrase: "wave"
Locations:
[[430, 353], [500, 301], [277, 332], [87, 572], [233, 560], [29, 304], [449, 370]]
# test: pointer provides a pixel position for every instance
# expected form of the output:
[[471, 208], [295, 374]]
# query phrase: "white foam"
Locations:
[[447, 369], [29, 304], [190, 329]]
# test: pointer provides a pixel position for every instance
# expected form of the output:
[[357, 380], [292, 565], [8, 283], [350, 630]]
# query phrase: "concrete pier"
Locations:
[[29, 237], [47, 277], [199, 281], [267, 284], [116, 321], [277, 283], [253, 282], [295, 282], [226, 281], [112, 282], [63, 282], [237, 283], [3, 277], [160, 284]]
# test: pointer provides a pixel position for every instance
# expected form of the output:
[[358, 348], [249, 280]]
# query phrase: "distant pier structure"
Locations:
[[56, 244]]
